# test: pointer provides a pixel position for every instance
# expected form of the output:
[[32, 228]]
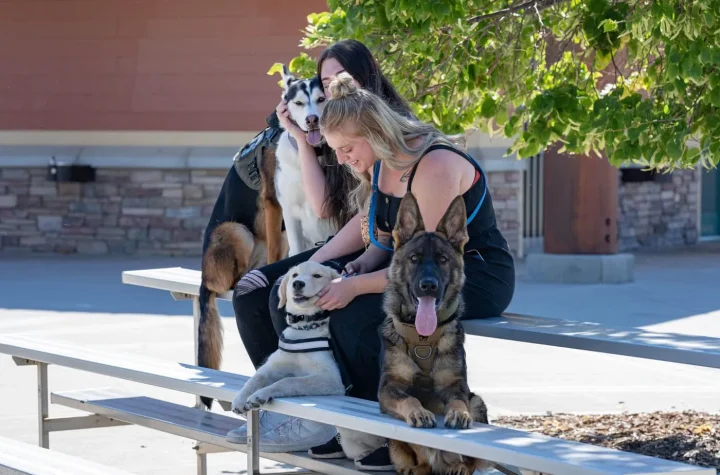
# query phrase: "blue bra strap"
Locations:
[[373, 204]]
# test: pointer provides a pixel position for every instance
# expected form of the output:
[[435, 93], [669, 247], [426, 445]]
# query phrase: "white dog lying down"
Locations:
[[303, 364]]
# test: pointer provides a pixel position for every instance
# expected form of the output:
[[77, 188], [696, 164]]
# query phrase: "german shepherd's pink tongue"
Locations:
[[313, 137], [426, 317]]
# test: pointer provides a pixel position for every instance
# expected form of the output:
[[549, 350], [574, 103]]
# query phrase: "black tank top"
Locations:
[[482, 225]]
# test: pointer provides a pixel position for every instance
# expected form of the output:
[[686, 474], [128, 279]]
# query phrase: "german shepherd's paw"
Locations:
[[423, 469], [459, 469], [421, 417], [455, 419], [258, 399]]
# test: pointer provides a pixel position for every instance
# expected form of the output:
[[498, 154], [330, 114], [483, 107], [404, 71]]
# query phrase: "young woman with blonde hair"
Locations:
[[392, 154]]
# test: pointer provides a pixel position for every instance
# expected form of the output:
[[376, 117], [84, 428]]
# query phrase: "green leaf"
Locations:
[[608, 25], [488, 108], [674, 149], [436, 119], [275, 68]]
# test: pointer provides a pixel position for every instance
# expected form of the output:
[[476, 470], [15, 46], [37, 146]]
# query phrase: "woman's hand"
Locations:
[[337, 294], [283, 113], [367, 262]]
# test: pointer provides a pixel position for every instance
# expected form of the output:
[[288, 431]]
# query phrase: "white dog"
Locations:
[[303, 364], [298, 367], [306, 101]]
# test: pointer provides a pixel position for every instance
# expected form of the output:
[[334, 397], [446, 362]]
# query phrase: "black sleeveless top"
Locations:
[[482, 225]]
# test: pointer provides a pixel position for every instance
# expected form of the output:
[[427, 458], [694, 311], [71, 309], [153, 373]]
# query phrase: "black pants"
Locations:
[[354, 329]]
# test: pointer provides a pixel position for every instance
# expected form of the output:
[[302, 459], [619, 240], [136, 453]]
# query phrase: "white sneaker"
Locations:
[[281, 433]]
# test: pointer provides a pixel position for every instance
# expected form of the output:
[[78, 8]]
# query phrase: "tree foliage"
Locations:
[[637, 80]]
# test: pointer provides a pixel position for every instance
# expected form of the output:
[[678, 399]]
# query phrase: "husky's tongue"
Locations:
[[313, 137], [426, 317]]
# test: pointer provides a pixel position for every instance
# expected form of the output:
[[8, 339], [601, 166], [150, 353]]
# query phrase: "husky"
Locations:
[[248, 235], [423, 367], [266, 165], [306, 100]]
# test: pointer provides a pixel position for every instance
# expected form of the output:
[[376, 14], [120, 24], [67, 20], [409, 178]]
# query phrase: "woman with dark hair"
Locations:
[[258, 330], [354, 58]]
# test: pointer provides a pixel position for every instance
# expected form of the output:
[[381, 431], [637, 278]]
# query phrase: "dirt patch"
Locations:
[[690, 437]]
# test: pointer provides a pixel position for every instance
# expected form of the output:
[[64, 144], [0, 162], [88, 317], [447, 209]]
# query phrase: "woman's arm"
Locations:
[[346, 241], [372, 283], [313, 178]]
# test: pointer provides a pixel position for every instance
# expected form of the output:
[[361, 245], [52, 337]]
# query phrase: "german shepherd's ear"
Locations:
[[453, 224], [287, 78], [282, 291], [409, 221]]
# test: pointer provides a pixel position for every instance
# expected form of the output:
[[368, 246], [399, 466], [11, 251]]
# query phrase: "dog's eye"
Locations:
[[302, 317], [443, 259], [295, 275], [298, 103], [320, 99], [414, 258], [316, 276]]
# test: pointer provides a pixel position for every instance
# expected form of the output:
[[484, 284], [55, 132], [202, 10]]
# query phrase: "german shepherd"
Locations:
[[424, 372]]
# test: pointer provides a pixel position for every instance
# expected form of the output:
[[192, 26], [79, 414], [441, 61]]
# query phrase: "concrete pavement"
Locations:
[[82, 301]]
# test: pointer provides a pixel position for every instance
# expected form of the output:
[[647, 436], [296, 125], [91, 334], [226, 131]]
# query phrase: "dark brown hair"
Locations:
[[358, 62]]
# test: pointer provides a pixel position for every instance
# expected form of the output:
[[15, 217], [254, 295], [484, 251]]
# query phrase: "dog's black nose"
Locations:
[[298, 284], [312, 121], [429, 284]]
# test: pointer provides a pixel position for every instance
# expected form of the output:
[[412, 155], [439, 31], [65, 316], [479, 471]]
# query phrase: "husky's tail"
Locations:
[[210, 334]]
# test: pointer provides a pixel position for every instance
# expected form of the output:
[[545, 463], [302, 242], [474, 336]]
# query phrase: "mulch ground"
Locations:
[[691, 437]]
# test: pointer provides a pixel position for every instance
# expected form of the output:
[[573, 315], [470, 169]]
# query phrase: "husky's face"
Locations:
[[300, 286], [306, 101]]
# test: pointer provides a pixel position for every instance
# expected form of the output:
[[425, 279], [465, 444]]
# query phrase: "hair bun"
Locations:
[[342, 85]]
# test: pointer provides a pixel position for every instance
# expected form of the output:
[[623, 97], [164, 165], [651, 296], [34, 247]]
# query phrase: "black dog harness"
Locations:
[[248, 160]]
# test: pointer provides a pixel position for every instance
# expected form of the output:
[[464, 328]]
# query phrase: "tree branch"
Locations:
[[539, 5]]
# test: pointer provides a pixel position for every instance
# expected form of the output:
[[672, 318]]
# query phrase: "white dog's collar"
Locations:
[[304, 345]]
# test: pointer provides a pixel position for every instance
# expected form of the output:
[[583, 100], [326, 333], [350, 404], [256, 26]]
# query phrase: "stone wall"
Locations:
[[506, 192], [158, 212], [659, 213], [146, 212]]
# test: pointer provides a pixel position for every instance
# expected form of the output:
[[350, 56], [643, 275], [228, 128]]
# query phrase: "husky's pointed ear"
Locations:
[[409, 221], [282, 290], [287, 77], [453, 225]]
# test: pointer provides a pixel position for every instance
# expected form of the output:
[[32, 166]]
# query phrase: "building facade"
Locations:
[[158, 95]]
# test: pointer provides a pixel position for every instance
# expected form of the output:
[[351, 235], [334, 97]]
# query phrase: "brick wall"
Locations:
[[659, 213], [144, 64], [145, 212], [506, 191], [158, 212]]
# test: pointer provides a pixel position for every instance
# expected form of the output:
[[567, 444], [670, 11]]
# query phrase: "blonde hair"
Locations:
[[387, 132]]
